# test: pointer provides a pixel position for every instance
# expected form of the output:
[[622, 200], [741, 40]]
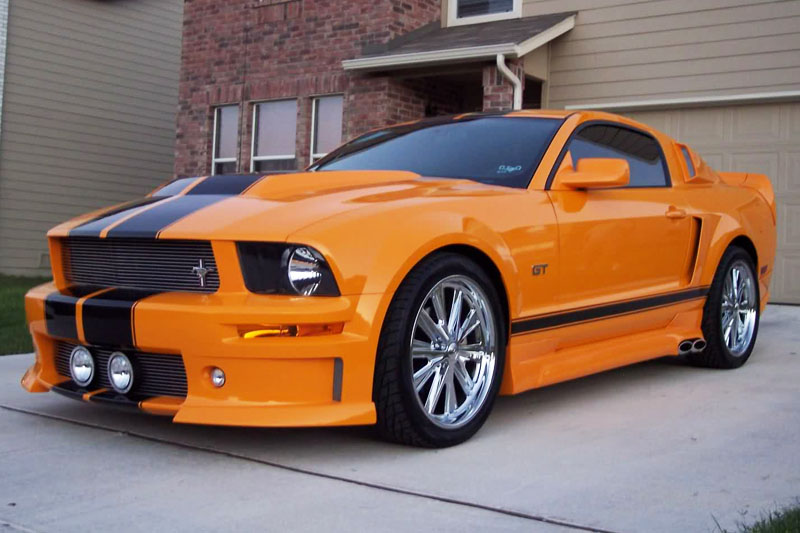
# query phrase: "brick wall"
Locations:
[[498, 93], [243, 51]]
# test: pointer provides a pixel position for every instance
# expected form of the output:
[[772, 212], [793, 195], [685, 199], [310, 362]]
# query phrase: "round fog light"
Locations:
[[217, 377], [120, 372], [81, 366]]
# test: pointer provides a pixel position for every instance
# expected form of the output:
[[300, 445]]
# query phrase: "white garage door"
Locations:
[[761, 138]]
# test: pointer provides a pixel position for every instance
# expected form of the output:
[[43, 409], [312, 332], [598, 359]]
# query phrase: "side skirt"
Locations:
[[553, 356]]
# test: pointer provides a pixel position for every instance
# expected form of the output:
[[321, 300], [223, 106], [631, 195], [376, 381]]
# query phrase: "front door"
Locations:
[[624, 244]]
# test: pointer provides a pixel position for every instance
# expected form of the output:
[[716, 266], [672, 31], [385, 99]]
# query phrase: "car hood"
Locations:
[[268, 208]]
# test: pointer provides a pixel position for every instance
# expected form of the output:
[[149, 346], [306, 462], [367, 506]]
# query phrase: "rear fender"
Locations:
[[757, 182]]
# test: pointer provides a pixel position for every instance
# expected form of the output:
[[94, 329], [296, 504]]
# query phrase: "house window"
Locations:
[[474, 11], [226, 126], [274, 136], [326, 129]]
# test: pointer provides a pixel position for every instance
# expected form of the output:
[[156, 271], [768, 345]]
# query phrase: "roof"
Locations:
[[433, 44]]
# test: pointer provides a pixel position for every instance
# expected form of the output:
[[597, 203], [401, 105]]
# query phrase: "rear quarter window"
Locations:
[[689, 163]]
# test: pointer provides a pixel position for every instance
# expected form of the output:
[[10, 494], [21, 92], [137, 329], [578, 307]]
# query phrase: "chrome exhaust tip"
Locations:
[[698, 346], [685, 347]]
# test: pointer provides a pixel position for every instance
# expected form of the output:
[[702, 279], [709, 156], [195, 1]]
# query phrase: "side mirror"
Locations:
[[596, 173]]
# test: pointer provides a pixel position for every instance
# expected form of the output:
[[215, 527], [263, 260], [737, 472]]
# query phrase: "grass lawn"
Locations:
[[786, 521], [14, 337]]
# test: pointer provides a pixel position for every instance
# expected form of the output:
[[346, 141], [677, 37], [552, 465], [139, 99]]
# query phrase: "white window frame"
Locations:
[[454, 20], [253, 158], [314, 157], [214, 158]]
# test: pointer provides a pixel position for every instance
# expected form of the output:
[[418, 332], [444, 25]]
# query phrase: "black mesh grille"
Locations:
[[154, 374], [140, 264]]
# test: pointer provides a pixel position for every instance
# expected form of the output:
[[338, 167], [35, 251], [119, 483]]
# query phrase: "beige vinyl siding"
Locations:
[[91, 92], [3, 28], [627, 51]]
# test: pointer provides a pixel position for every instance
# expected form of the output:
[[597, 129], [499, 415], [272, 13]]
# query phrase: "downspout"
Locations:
[[510, 76]]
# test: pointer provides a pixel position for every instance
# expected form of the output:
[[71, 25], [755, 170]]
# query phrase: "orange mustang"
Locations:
[[408, 277]]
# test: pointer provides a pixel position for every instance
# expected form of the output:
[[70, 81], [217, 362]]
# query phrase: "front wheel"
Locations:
[[441, 354], [731, 314]]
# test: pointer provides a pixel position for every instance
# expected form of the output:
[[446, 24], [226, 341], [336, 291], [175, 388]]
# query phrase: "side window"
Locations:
[[641, 151], [689, 164]]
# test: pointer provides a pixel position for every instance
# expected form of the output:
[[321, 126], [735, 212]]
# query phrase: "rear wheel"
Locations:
[[441, 354], [731, 314]]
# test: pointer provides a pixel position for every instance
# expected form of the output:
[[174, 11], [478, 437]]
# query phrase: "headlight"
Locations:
[[305, 271], [273, 268]]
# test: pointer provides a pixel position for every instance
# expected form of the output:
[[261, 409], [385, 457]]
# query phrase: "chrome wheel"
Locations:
[[453, 351], [739, 308]]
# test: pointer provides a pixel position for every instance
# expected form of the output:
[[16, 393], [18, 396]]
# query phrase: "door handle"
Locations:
[[675, 213]]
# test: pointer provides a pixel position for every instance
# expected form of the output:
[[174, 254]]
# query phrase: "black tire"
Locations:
[[717, 354], [400, 416]]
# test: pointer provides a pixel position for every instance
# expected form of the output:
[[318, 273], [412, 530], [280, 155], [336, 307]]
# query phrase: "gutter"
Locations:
[[513, 78]]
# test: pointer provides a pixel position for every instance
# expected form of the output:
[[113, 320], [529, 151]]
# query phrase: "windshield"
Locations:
[[493, 150]]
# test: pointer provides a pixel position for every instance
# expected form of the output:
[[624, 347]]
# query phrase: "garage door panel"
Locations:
[[760, 124], [762, 138], [717, 161], [758, 163], [701, 126], [789, 226], [785, 287], [792, 114], [659, 121], [789, 178]]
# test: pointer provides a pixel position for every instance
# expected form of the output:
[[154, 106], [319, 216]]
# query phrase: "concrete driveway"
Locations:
[[654, 447]]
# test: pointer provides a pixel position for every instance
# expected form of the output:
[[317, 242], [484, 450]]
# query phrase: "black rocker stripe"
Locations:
[[557, 320], [93, 227], [108, 317], [59, 311]]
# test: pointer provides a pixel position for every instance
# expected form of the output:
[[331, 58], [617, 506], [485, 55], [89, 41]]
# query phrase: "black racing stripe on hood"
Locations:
[[229, 184], [174, 187], [93, 227], [108, 317], [148, 224]]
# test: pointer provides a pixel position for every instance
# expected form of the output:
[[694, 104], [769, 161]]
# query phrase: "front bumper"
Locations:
[[318, 380]]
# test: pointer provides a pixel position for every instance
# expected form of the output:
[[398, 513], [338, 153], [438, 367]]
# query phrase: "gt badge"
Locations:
[[540, 270]]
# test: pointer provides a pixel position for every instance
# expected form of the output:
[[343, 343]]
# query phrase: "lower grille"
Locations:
[[154, 374]]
